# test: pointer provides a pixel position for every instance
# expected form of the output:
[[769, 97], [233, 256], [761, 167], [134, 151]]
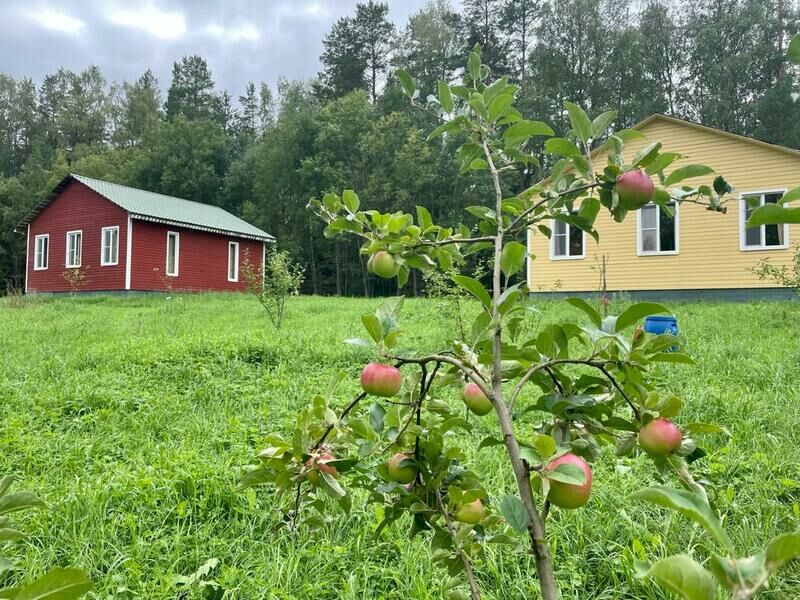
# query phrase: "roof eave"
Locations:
[[248, 236]]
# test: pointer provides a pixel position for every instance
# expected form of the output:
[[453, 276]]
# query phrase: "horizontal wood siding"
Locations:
[[78, 207], [709, 243], [202, 259]]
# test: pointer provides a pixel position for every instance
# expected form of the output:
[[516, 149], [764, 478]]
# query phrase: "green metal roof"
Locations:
[[141, 204]]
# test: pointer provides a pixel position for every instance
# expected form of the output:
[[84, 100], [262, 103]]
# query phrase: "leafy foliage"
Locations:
[[279, 278]]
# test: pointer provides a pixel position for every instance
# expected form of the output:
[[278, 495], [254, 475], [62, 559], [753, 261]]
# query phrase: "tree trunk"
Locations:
[[313, 260], [364, 274], [338, 265]]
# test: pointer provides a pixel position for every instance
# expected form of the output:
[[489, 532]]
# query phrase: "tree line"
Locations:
[[265, 153]]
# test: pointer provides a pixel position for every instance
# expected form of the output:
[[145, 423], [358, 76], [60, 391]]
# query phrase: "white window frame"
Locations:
[[115, 248], [743, 221], [45, 254], [567, 256], [177, 236], [235, 247], [640, 251], [79, 250]]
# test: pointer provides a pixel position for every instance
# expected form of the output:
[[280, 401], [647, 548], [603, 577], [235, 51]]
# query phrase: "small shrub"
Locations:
[[781, 275], [280, 278]]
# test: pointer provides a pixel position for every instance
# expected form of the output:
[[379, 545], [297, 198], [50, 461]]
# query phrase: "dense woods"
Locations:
[[262, 152]]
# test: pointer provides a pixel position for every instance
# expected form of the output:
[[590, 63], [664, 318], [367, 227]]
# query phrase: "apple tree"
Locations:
[[560, 393]]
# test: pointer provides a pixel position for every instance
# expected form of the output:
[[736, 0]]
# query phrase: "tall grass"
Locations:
[[133, 417]]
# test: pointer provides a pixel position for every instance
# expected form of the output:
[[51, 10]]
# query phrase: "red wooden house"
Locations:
[[119, 238]]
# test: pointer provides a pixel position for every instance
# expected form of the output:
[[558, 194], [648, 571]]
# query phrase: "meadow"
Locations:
[[135, 416]]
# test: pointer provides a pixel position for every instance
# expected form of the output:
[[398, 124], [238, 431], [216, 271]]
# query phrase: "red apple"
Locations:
[[470, 513], [383, 264], [381, 380], [660, 437], [399, 472], [635, 189], [475, 399], [318, 464], [568, 495]]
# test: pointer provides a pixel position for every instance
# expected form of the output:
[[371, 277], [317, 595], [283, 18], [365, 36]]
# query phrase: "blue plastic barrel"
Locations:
[[659, 325]]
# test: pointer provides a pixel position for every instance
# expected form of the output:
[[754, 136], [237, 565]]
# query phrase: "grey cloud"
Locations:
[[288, 43]]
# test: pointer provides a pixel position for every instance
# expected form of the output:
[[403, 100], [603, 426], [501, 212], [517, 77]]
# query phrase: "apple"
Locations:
[[475, 399], [318, 464], [470, 513], [660, 437], [399, 472], [569, 495], [381, 380], [383, 264], [635, 189]]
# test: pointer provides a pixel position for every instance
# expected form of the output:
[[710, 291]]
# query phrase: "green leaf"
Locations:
[[580, 121], [373, 326], [636, 312], [474, 287], [705, 428], [782, 549], [773, 214], [646, 155], [20, 501], [453, 125], [683, 575], [445, 97], [661, 162], [350, 200], [515, 513], [512, 258], [376, 417], [602, 122], [254, 478], [562, 147], [793, 52], [687, 172], [498, 107], [673, 357], [791, 195], [424, 217], [331, 486], [474, 66], [544, 445], [407, 82], [10, 535], [58, 584], [587, 308], [689, 505], [5, 483], [522, 130], [567, 473]]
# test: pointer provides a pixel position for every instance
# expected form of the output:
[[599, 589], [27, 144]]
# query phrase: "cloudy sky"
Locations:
[[242, 40]]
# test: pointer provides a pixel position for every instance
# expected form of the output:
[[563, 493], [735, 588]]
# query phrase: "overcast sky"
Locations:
[[242, 40]]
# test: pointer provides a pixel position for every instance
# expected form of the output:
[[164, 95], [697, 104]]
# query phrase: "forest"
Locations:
[[263, 151]]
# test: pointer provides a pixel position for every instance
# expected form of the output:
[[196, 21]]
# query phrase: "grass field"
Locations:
[[134, 416]]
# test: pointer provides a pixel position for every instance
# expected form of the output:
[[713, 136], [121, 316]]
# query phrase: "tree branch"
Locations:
[[473, 585]]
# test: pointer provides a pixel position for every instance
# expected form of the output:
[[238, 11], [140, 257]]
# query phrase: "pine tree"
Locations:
[[191, 93]]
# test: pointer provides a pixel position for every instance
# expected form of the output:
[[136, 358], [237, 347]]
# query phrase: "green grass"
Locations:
[[134, 416]]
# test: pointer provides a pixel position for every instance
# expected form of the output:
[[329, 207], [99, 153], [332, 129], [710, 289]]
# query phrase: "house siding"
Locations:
[[77, 208], [202, 259], [709, 254]]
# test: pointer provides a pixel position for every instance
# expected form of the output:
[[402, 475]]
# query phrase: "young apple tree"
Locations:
[[559, 394]]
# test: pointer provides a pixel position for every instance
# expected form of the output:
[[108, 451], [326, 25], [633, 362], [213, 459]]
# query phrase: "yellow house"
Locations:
[[697, 253]]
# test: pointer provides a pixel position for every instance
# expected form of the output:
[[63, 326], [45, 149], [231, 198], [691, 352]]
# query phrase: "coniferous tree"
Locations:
[[191, 93]]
